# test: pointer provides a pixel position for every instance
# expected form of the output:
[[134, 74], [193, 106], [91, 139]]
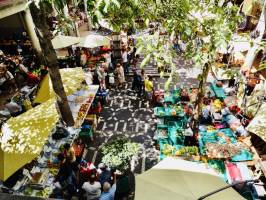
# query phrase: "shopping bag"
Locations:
[[111, 80]]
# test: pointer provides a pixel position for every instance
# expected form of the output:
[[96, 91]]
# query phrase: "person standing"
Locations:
[[136, 84], [148, 83], [108, 191], [120, 75], [125, 61], [143, 78], [83, 59], [92, 188]]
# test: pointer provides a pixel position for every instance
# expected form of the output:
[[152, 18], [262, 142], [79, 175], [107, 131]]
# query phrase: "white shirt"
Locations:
[[92, 191], [124, 57]]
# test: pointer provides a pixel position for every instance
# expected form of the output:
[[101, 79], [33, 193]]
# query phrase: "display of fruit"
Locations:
[[173, 113], [187, 151], [168, 149]]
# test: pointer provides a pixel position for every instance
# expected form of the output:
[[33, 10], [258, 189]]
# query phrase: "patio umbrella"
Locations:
[[92, 41], [72, 79], [62, 41], [23, 137], [182, 180]]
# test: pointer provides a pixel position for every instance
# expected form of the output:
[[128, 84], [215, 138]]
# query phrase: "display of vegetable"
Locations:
[[187, 151], [168, 150]]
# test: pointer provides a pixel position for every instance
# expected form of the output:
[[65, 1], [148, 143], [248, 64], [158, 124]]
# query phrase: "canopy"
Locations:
[[23, 137], [92, 41], [178, 179], [62, 41], [72, 79], [258, 124]]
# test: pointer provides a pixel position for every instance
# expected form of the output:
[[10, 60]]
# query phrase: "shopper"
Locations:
[[143, 78], [108, 191], [148, 83], [105, 174], [136, 84], [125, 61], [92, 188], [120, 75]]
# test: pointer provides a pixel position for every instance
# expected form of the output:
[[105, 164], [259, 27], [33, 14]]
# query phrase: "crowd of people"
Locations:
[[17, 71], [80, 178]]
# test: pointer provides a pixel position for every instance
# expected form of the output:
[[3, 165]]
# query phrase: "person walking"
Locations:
[[143, 78], [125, 61], [136, 84], [148, 83], [120, 75]]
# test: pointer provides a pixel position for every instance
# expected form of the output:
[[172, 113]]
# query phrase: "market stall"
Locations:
[[222, 142], [39, 179], [71, 78]]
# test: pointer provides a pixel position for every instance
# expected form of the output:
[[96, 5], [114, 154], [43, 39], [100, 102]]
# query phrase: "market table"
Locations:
[[219, 91]]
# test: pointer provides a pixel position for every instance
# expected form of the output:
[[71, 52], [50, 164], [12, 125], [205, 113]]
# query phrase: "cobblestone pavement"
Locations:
[[131, 116]]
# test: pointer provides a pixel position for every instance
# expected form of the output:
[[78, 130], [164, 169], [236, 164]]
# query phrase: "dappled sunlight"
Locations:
[[258, 124], [71, 78], [27, 133]]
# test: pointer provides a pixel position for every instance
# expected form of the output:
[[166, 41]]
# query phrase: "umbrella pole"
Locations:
[[224, 188]]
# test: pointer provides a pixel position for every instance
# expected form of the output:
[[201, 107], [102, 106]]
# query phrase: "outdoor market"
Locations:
[[124, 100]]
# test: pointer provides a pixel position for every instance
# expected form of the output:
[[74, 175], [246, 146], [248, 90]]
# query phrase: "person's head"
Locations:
[[118, 65], [102, 166], [106, 186], [67, 146], [150, 78], [92, 178]]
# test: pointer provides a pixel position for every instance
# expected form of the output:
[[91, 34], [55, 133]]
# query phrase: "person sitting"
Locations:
[[92, 188], [108, 191]]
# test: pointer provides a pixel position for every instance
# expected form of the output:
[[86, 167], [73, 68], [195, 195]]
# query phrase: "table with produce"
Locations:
[[40, 180]]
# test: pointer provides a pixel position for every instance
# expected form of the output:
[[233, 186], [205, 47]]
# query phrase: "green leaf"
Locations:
[[147, 22], [145, 61], [139, 50], [116, 3]]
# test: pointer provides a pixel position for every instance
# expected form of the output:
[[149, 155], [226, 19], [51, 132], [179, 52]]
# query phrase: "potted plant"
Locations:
[[119, 152]]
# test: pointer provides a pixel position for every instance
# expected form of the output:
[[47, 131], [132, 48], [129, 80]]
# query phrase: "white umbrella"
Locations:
[[62, 41], [92, 41], [182, 180]]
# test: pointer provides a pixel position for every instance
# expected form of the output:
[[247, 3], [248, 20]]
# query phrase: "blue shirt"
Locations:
[[110, 195]]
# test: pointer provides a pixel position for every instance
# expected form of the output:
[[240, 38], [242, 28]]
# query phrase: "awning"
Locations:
[[92, 41], [182, 180], [258, 124], [72, 79], [62, 41], [23, 137]]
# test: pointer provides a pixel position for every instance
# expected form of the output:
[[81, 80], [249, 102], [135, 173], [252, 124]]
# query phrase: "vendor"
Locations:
[[13, 108], [69, 153]]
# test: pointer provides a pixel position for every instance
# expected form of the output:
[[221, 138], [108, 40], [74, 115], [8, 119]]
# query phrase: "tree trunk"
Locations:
[[201, 94], [45, 36]]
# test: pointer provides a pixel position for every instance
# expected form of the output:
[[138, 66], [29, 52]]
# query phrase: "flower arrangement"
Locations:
[[119, 152]]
